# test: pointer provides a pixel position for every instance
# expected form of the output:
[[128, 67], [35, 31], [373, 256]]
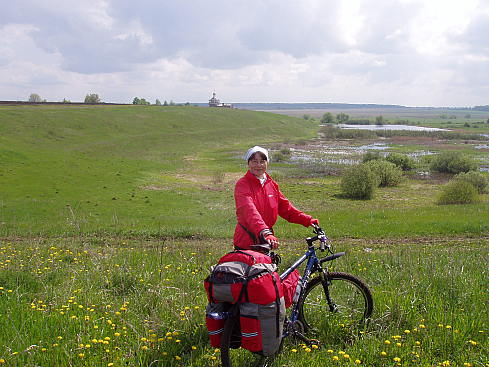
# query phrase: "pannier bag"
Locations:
[[291, 288], [247, 278]]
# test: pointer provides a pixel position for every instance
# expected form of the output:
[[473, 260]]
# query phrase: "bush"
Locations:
[[474, 178], [401, 160], [452, 162], [282, 155], [458, 192], [359, 182], [387, 173], [371, 156]]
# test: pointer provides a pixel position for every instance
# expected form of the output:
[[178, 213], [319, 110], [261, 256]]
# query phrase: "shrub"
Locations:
[[371, 156], [387, 173], [458, 192], [452, 162], [282, 155], [401, 160], [359, 182], [474, 178]]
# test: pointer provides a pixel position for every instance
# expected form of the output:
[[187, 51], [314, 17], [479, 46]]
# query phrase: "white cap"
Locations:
[[255, 149]]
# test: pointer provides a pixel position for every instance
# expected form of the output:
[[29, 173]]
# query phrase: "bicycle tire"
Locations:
[[236, 356], [352, 297]]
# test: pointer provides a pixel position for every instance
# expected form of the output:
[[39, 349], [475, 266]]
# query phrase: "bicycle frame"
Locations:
[[311, 266]]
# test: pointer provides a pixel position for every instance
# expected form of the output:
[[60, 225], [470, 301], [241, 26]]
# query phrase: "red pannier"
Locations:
[[250, 279], [291, 288]]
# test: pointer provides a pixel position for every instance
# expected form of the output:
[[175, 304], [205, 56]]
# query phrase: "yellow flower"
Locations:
[[110, 364], [144, 347], [445, 363], [383, 354], [472, 342], [357, 361], [346, 356], [387, 342], [314, 346], [294, 350], [422, 326], [468, 364], [81, 355], [178, 358], [307, 350], [398, 344], [407, 331], [396, 359], [335, 358], [194, 347], [330, 351], [2, 361]]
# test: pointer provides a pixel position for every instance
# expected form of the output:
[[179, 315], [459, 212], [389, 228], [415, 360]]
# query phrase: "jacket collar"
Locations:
[[250, 176]]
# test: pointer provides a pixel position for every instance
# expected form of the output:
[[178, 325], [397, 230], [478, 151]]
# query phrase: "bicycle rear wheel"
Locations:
[[231, 353], [350, 302]]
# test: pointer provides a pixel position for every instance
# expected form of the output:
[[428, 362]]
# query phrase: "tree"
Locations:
[[66, 100], [34, 97], [157, 102], [327, 118], [136, 100], [92, 98], [379, 120], [165, 103], [342, 118]]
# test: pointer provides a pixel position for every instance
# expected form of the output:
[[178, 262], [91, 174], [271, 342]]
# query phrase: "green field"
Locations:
[[111, 215]]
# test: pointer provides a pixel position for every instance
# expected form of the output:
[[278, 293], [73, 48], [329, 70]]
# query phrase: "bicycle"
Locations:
[[326, 298]]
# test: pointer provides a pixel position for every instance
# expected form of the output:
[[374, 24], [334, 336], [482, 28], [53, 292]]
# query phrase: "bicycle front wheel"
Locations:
[[342, 299]]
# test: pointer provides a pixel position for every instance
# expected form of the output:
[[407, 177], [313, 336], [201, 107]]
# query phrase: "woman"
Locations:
[[259, 202]]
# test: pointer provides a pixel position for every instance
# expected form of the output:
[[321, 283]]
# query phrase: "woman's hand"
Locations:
[[272, 240], [314, 222]]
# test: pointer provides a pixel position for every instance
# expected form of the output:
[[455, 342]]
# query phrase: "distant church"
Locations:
[[214, 102]]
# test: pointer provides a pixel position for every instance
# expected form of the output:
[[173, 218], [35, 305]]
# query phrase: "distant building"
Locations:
[[215, 102]]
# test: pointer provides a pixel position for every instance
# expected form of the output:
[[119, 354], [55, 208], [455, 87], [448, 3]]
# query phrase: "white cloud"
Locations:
[[411, 52]]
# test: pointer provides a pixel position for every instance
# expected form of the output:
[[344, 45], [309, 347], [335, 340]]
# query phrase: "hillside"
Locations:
[[84, 169]]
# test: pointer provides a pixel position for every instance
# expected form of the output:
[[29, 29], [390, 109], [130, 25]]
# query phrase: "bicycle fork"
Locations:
[[326, 282]]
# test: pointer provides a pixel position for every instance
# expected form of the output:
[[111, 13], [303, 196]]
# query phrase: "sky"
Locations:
[[405, 52]]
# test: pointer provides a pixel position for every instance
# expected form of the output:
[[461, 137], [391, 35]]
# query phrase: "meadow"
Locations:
[[110, 217]]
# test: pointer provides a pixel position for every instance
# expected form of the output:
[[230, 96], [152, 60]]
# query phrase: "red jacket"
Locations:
[[257, 208]]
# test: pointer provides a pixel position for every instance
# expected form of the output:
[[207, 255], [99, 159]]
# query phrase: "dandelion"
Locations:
[[81, 355], [396, 359], [407, 331], [445, 363], [383, 354], [144, 347], [294, 350], [335, 358], [388, 342], [178, 358], [422, 326], [357, 361], [330, 351], [110, 364], [346, 356], [417, 342], [194, 347], [466, 364], [2, 361], [307, 350], [314, 346], [472, 342], [398, 344]]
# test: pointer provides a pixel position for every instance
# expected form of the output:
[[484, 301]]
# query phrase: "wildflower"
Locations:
[[383, 354], [388, 342], [472, 342], [110, 364], [330, 351], [144, 347], [194, 347], [398, 344], [422, 326], [448, 327], [346, 356], [81, 355], [357, 361], [335, 358], [445, 363], [294, 350], [396, 359], [178, 358], [117, 334], [407, 331], [417, 342], [341, 352], [468, 364], [307, 350], [314, 346], [2, 361]]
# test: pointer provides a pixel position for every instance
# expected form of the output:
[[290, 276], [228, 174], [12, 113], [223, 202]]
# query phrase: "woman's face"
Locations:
[[257, 165]]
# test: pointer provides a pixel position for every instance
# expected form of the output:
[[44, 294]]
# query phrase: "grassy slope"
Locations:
[[83, 169], [170, 172]]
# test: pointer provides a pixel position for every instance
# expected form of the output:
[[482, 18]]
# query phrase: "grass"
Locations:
[[111, 215], [92, 302]]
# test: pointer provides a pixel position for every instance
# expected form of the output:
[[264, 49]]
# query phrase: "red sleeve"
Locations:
[[289, 212], [246, 211]]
